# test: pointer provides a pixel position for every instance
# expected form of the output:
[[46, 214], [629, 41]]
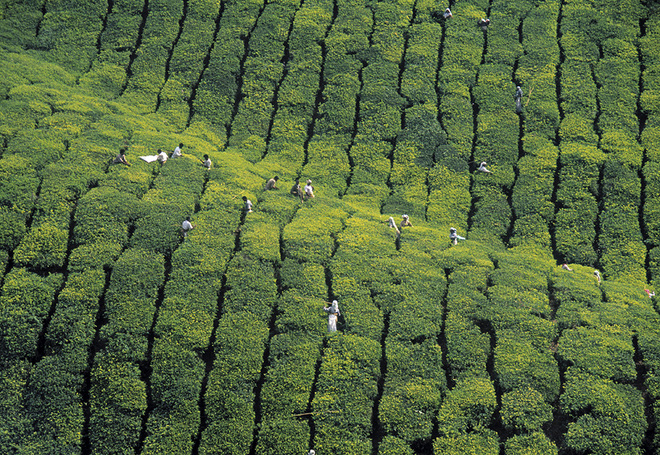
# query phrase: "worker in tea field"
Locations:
[[484, 23], [296, 190], [447, 14], [650, 293], [309, 189], [121, 158], [333, 313], [597, 275], [207, 162], [247, 205], [162, 156], [405, 221], [518, 98], [186, 226], [482, 168], [311, 452], [272, 184], [454, 237], [566, 267], [177, 151]]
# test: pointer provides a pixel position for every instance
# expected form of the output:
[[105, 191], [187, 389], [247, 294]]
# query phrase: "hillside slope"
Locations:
[[118, 335]]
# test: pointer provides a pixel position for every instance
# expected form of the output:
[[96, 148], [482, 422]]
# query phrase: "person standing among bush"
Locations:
[[121, 158], [333, 312], [454, 237], [177, 151], [405, 221], [309, 189], [162, 156], [247, 205], [186, 226], [296, 190], [272, 184], [518, 99], [207, 162]]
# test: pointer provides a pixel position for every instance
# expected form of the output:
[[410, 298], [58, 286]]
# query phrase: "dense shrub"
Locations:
[[615, 422], [525, 409]]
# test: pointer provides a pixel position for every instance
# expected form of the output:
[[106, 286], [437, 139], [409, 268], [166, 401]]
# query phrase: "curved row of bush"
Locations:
[[622, 252], [532, 193], [449, 180], [297, 93], [146, 73], [219, 84], [186, 62], [262, 74], [347, 40]]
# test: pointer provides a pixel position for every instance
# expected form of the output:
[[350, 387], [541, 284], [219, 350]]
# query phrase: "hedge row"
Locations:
[[296, 96], [300, 325], [146, 73], [262, 73], [20, 21], [345, 44], [218, 87], [54, 399], [468, 409], [380, 116], [622, 251], [648, 45], [580, 160], [189, 300], [187, 60], [107, 74], [235, 399], [69, 31], [449, 180], [118, 392], [413, 390], [532, 193]]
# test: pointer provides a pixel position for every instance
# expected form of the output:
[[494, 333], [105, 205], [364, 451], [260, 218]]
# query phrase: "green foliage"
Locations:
[[43, 247], [117, 400], [407, 411], [482, 442], [391, 445], [525, 409], [468, 408], [615, 423], [24, 306], [519, 365], [603, 351], [535, 443]]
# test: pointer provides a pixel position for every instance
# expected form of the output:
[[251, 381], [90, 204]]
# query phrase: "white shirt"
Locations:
[[309, 189], [177, 152], [186, 225], [248, 205], [162, 157], [208, 163]]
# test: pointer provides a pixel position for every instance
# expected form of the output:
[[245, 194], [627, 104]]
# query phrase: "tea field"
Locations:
[[121, 336]]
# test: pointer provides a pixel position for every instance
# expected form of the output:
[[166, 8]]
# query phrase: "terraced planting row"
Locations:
[[120, 335]]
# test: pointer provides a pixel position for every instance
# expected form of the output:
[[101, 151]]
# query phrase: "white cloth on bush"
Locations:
[[149, 158]]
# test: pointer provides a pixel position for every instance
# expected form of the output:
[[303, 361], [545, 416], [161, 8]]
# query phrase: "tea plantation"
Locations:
[[121, 336]]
